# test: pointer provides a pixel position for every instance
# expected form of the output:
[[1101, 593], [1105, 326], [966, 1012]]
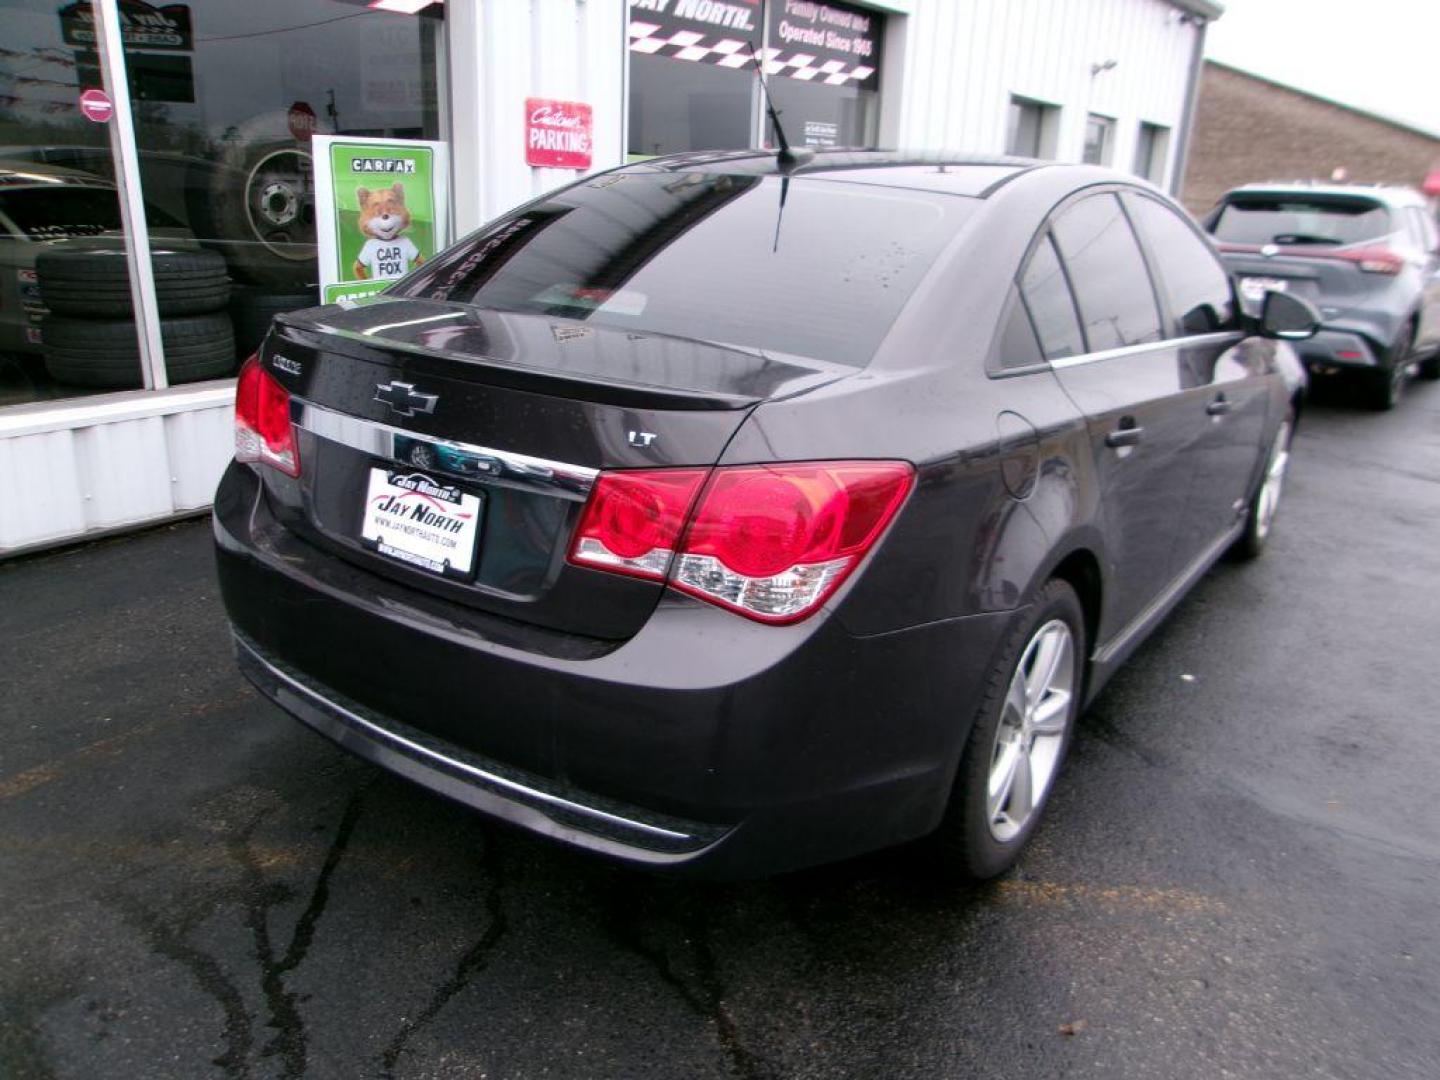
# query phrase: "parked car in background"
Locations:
[[45, 206], [1367, 256], [253, 202], [726, 514]]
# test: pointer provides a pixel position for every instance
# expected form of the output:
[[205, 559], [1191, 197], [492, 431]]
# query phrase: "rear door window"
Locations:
[[1196, 286], [1105, 267], [1051, 307], [1017, 346], [1299, 220], [809, 266]]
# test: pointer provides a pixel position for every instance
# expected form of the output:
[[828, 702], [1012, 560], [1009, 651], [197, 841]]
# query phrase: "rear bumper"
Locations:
[[468, 778], [1339, 349], [705, 743]]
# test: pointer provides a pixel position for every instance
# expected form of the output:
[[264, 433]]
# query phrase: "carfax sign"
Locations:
[[381, 211]]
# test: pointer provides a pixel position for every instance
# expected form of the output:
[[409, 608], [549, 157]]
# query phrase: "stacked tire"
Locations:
[[90, 338], [254, 307]]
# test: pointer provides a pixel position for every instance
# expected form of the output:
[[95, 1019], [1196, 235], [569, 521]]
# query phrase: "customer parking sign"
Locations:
[[381, 211]]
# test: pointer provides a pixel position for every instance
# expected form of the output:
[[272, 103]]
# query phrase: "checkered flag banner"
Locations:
[[655, 40]]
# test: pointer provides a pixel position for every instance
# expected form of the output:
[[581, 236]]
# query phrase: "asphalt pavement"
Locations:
[[1238, 875]]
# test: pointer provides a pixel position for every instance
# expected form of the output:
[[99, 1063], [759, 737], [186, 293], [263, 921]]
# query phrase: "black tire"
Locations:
[[106, 352], [1387, 383], [95, 284], [968, 848], [1430, 368], [1258, 520], [252, 310]]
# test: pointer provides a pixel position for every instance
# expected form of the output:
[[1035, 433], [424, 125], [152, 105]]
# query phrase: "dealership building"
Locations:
[[159, 198]]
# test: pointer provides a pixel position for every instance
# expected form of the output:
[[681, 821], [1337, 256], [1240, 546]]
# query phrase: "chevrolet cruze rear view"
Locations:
[[737, 512]]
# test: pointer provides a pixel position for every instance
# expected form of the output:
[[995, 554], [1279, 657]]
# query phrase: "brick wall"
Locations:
[[1248, 129]]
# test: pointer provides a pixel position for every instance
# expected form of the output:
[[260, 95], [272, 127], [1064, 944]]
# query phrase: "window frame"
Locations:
[[1047, 127], [1107, 144], [1159, 135], [1042, 235]]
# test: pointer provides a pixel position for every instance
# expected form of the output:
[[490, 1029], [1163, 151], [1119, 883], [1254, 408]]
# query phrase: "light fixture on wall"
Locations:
[[401, 7], [1108, 65]]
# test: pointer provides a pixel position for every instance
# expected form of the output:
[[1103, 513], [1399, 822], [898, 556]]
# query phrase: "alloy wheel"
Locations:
[[1031, 734]]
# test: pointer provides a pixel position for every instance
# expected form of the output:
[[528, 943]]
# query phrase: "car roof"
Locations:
[[973, 176], [1390, 194], [35, 174]]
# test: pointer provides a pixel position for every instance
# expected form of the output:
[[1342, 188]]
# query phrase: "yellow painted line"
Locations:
[[1125, 897]]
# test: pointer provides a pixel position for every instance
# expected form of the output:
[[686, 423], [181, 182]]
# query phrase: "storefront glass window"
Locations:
[[225, 97], [823, 62], [57, 195], [225, 143], [692, 74]]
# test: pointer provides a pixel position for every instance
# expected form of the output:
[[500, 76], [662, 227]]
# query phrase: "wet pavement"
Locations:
[[1238, 875]]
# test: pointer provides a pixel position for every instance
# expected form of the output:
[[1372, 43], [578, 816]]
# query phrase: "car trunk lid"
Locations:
[[437, 411]]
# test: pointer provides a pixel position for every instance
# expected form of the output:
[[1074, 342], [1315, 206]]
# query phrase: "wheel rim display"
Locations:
[[1034, 719], [280, 204]]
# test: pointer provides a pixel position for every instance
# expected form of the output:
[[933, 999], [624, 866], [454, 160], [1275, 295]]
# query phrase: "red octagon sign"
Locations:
[[96, 105], [301, 121], [558, 134]]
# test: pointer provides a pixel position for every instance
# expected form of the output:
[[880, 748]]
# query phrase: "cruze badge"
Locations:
[[404, 399]]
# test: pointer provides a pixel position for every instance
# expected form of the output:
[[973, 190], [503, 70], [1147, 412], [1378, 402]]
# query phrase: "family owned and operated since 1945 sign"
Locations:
[[831, 45], [381, 211]]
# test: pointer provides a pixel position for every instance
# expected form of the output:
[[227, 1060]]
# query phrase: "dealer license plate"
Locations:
[[1255, 288], [415, 519]]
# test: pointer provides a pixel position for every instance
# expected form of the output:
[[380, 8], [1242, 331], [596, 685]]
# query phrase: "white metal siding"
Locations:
[[123, 460], [966, 58], [573, 50]]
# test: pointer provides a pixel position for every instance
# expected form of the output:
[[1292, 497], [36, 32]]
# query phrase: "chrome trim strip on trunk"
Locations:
[[1222, 337], [459, 459]]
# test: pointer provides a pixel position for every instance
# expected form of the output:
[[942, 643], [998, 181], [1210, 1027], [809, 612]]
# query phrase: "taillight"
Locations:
[[772, 542], [263, 431], [633, 520], [1375, 259]]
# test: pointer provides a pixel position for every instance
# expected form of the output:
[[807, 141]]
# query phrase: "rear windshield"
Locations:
[[811, 267], [1297, 220]]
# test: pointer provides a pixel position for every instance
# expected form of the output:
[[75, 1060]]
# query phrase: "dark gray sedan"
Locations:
[[735, 514]]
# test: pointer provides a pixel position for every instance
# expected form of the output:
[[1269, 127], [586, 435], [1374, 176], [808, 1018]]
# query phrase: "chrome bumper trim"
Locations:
[[508, 798]]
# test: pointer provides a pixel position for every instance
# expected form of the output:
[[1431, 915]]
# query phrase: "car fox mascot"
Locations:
[[383, 218]]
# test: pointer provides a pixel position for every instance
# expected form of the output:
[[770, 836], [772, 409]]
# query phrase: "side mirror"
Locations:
[[1288, 318]]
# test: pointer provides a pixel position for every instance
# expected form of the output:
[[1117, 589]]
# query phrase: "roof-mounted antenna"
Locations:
[[787, 158]]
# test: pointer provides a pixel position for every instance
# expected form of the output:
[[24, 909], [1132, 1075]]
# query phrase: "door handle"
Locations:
[[1219, 407], [1124, 435]]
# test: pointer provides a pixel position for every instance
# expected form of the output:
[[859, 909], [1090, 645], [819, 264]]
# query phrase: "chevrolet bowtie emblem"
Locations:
[[403, 398]]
